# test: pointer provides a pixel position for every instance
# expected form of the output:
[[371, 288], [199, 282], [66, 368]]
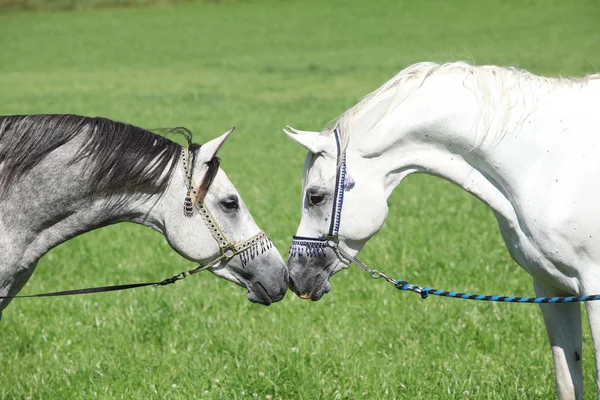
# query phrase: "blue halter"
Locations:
[[310, 246]]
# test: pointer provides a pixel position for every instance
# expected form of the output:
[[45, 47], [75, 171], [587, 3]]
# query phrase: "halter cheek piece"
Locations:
[[248, 249], [314, 247]]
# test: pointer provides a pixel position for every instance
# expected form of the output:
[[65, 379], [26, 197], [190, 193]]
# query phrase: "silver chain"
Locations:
[[375, 274], [347, 259]]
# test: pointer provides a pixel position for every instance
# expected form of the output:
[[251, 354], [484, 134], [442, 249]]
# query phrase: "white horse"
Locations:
[[525, 145], [62, 175]]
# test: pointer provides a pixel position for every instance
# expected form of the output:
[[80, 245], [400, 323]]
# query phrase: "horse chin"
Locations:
[[320, 290], [258, 294]]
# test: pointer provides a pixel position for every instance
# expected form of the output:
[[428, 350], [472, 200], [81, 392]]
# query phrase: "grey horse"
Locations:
[[63, 175]]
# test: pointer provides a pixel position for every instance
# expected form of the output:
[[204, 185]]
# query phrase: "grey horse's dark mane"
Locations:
[[119, 157]]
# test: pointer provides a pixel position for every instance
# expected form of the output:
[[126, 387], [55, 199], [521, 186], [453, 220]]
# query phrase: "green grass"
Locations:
[[63, 5], [260, 66]]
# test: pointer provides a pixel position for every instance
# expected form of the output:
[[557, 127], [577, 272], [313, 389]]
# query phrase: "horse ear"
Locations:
[[312, 141], [209, 149]]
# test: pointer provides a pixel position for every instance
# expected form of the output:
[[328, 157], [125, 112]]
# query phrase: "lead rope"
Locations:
[[426, 291], [101, 289]]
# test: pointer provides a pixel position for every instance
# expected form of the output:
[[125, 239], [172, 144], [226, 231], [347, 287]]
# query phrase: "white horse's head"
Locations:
[[259, 268], [352, 221]]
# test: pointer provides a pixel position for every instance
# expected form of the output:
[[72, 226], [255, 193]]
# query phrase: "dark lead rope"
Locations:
[[102, 289], [226, 254]]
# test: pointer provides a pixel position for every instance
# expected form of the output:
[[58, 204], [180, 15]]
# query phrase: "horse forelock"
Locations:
[[493, 86]]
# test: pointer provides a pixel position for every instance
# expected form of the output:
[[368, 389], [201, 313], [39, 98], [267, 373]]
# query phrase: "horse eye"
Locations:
[[315, 198], [230, 203]]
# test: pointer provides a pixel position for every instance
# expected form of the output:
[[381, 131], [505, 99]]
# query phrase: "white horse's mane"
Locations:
[[492, 83]]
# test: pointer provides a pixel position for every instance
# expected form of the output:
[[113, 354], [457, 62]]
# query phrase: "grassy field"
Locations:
[[260, 65]]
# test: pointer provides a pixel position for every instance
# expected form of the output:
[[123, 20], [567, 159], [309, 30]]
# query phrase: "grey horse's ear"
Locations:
[[209, 149], [312, 141]]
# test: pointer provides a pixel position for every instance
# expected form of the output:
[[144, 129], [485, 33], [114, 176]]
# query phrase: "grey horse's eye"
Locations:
[[230, 203], [315, 199]]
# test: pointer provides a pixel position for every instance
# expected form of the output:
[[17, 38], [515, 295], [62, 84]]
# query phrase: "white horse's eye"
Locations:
[[315, 198]]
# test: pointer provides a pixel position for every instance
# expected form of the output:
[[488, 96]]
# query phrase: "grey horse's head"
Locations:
[[260, 269]]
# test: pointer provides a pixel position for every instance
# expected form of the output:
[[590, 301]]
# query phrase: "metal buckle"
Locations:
[[332, 241], [228, 251]]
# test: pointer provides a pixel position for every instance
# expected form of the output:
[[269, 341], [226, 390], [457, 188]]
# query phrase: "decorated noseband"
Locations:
[[248, 249], [314, 247]]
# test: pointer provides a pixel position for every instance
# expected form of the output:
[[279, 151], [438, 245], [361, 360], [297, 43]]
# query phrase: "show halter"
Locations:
[[315, 247], [247, 249], [260, 241], [311, 246]]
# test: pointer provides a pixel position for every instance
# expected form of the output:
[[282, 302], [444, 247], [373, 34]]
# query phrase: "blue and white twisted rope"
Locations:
[[425, 292]]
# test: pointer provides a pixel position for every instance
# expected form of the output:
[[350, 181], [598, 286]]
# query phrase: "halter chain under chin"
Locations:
[[247, 249], [311, 246]]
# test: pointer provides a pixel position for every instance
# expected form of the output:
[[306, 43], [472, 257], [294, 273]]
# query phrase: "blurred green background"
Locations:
[[260, 65]]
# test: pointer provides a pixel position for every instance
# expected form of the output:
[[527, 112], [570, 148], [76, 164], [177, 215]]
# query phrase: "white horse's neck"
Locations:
[[437, 130], [499, 143]]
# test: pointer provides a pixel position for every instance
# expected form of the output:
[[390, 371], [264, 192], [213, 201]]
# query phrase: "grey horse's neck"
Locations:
[[52, 204]]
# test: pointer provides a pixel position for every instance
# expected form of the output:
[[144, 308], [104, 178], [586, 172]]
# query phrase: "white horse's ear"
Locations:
[[312, 141], [209, 149]]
